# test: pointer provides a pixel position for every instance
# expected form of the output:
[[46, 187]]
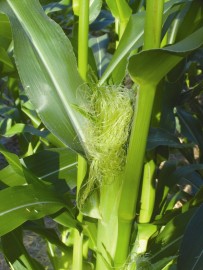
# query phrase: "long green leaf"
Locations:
[[5, 61], [192, 258], [132, 39], [158, 136], [23, 174], [47, 68], [9, 177], [49, 234], [16, 253], [160, 61], [119, 9], [5, 32], [94, 8], [21, 203], [160, 265], [190, 127], [99, 47], [20, 128], [13, 160], [168, 241], [53, 165]]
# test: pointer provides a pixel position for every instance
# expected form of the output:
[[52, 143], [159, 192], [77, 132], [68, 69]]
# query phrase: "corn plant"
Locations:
[[106, 92]]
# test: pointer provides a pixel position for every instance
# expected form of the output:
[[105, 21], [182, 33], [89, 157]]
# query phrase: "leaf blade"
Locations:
[[21, 203], [48, 70]]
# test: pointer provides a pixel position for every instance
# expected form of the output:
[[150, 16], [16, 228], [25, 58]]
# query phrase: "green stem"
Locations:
[[136, 150], [83, 38], [82, 164], [148, 192], [107, 232], [82, 68], [132, 176], [77, 251], [152, 40], [153, 24], [78, 237]]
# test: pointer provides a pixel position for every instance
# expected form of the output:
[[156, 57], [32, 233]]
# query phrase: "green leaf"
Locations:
[[194, 14], [149, 67], [168, 241], [5, 32], [9, 177], [181, 172], [90, 229], [10, 113], [6, 62], [191, 250], [48, 234], [131, 39], [21, 203], [13, 160], [158, 136], [99, 47], [163, 262], [16, 170], [190, 127], [20, 128], [53, 165], [198, 198], [47, 68], [66, 220], [195, 180], [56, 6], [16, 253], [119, 9], [94, 9]]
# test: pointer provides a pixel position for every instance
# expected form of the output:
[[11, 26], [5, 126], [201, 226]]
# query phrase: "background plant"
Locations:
[[141, 215]]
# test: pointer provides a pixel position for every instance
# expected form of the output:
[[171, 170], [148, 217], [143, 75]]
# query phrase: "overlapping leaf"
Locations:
[[132, 39], [47, 67], [192, 258], [53, 164], [149, 67], [26, 203]]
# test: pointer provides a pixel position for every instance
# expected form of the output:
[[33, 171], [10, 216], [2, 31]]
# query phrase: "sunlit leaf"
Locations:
[[53, 165], [20, 128], [47, 68], [21, 203], [99, 48], [120, 9], [168, 241], [9, 177], [94, 8], [131, 39]]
